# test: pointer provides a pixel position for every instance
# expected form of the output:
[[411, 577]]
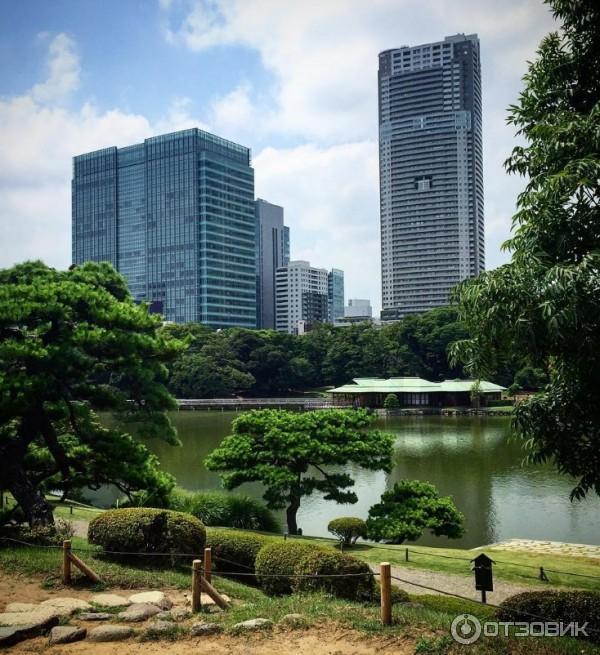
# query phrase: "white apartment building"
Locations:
[[301, 297]]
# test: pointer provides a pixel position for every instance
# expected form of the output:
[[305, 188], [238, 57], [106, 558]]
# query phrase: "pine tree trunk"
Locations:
[[291, 511], [35, 507]]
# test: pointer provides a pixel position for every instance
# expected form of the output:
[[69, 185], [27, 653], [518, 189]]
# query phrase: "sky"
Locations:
[[294, 80]]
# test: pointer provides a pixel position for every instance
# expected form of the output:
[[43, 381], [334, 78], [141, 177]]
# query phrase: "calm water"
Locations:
[[470, 458]]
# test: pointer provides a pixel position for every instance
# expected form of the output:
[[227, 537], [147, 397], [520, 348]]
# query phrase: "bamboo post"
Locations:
[[386, 592], [207, 564], [66, 577], [406, 555], [196, 585]]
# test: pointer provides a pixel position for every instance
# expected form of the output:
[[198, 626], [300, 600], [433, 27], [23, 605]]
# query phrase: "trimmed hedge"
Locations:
[[224, 509], [146, 530], [565, 606], [279, 559], [348, 529], [359, 585], [233, 550], [398, 595]]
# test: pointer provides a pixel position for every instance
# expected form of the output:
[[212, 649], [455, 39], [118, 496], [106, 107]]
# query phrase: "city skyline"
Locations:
[[313, 132]]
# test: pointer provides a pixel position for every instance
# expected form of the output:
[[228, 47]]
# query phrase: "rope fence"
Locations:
[[202, 572]]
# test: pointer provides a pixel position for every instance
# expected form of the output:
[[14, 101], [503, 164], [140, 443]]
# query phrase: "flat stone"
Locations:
[[109, 600], [110, 632], [45, 617], [253, 624], [180, 614], [138, 612], [95, 616], [205, 629], [66, 634], [157, 598], [164, 616], [9, 636], [293, 620], [21, 607], [66, 606], [158, 628]]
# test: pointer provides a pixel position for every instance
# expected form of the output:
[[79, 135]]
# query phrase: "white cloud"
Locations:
[[63, 70]]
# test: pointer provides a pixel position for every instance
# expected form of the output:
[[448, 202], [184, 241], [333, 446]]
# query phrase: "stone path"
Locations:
[[547, 547], [455, 584]]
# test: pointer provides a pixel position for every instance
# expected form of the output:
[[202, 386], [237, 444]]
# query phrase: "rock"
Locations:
[[138, 612], [95, 616], [109, 600], [66, 606], [153, 598], [21, 607], [45, 617], [66, 634], [205, 629], [178, 614], [253, 624], [14, 634], [160, 628], [163, 616], [110, 632], [293, 620]]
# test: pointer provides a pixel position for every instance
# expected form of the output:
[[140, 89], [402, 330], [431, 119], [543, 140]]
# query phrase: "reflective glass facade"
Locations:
[[335, 294], [175, 215]]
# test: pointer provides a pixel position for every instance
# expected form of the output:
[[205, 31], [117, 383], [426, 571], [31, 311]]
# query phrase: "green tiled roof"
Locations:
[[413, 385]]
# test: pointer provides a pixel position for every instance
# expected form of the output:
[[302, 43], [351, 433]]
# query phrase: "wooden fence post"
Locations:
[[207, 564], [66, 577], [196, 585], [386, 592]]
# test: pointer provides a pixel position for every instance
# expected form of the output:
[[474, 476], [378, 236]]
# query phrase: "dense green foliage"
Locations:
[[146, 530], [391, 401], [72, 342], [276, 562], [348, 529], [268, 363], [328, 567], [545, 304], [566, 606], [408, 509], [224, 509], [289, 452], [234, 550]]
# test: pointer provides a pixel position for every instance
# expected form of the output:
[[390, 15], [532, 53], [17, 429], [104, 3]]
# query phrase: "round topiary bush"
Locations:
[[233, 550], [145, 530], [279, 559], [391, 401], [340, 575], [566, 606], [348, 529]]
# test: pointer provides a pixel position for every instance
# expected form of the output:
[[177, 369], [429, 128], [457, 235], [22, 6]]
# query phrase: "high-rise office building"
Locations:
[[431, 173], [272, 252], [335, 294], [301, 297], [358, 308], [175, 215]]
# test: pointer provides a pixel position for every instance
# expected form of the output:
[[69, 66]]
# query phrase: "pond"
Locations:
[[472, 459]]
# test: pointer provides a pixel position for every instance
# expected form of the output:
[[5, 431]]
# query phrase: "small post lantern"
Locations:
[[484, 579]]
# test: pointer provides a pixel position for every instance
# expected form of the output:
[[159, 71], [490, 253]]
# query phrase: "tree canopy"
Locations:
[[292, 453], [545, 304], [408, 509], [73, 342]]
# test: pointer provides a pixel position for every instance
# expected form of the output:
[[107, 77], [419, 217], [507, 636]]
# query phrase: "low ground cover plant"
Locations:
[[146, 530]]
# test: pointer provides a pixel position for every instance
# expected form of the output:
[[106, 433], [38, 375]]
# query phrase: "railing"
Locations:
[[250, 403]]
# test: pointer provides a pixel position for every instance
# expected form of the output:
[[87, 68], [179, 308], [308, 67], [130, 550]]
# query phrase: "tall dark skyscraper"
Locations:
[[175, 215], [272, 252], [431, 172]]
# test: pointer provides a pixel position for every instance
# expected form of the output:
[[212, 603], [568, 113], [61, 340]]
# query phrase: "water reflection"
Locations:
[[472, 459]]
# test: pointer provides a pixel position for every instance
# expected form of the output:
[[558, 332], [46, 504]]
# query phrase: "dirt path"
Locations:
[[456, 584]]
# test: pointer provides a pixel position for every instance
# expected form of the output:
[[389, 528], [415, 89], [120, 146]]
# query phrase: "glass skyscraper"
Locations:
[[431, 172], [335, 294], [175, 215]]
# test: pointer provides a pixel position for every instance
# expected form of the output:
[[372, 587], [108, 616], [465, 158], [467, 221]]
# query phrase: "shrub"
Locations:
[[566, 606], [348, 529], [358, 585], [43, 535], [279, 559], [236, 551], [391, 401], [224, 509], [145, 530], [398, 595], [500, 403]]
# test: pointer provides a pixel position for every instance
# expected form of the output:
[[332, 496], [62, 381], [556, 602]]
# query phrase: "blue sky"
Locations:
[[295, 80]]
